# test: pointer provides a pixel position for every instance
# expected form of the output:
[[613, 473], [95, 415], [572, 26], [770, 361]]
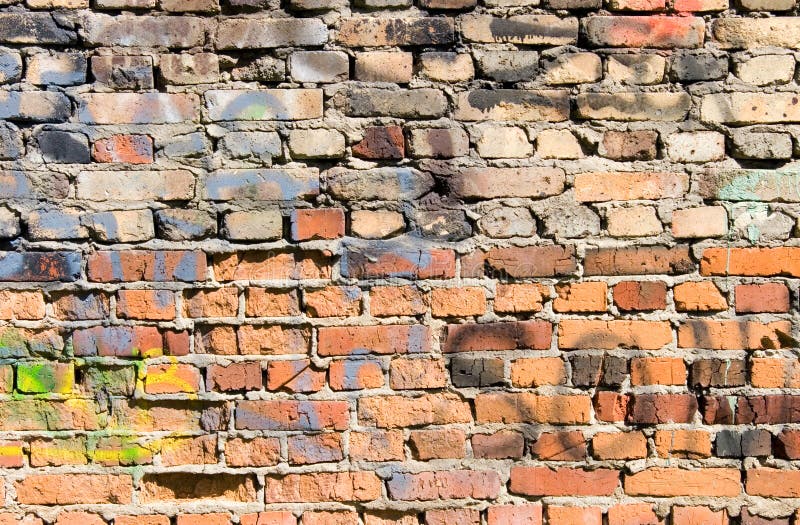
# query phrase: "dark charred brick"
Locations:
[[719, 410], [467, 372], [756, 443], [728, 444], [40, 266], [64, 147], [443, 225], [787, 444], [593, 370], [718, 373], [383, 142], [629, 145], [653, 409], [32, 28], [124, 72]]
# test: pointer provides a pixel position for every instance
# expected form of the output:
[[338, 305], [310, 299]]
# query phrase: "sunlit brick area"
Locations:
[[399, 262]]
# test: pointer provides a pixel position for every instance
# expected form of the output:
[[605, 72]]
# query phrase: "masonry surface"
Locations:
[[499, 262]]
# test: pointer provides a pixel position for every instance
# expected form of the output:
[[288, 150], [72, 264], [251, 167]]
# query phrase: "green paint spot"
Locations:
[[40, 378]]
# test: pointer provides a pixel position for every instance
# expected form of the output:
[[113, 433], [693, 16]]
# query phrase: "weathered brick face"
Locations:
[[397, 262]]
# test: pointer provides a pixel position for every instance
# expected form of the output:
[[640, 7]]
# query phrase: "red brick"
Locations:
[[216, 518], [451, 484], [377, 445], [323, 486], [309, 225], [333, 301], [574, 515], [633, 514], [387, 301], [453, 517], [639, 260], [319, 448], [652, 409], [438, 444], [502, 444], [223, 302], [132, 149], [698, 516], [294, 376], [143, 519], [256, 452], [520, 262], [68, 489], [401, 411], [523, 514], [538, 371], [235, 377], [384, 339], [385, 262], [292, 415], [631, 296], [526, 407], [152, 305], [543, 481], [560, 446], [347, 517], [273, 340], [458, 302], [520, 298], [350, 374], [757, 298], [137, 265], [189, 451], [645, 335], [646, 31], [670, 482], [21, 305], [79, 518], [619, 445], [272, 517], [498, 336], [260, 302]]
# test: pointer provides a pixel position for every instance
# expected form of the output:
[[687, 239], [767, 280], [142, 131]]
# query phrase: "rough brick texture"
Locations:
[[397, 262]]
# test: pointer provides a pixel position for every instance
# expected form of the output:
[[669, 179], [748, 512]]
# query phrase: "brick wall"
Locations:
[[299, 262]]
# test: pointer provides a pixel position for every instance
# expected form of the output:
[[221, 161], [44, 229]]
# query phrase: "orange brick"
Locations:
[[537, 371], [773, 482], [79, 518], [333, 301], [458, 302], [294, 376], [608, 335], [693, 444], [402, 411], [658, 371], [21, 305], [520, 298], [317, 224], [757, 298], [260, 302], [406, 374], [438, 444], [387, 301], [560, 446], [256, 452], [774, 373], [698, 516], [68, 489], [700, 296], [272, 517], [619, 445], [543, 481], [574, 515], [378, 445], [151, 305], [216, 518], [611, 406], [526, 407], [318, 448], [146, 519], [752, 262], [523, 514], [670, 482], [633, 514], [201, 450], [733, 335], [453, 517], [212, 303], [384, 339], [581, 297]]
